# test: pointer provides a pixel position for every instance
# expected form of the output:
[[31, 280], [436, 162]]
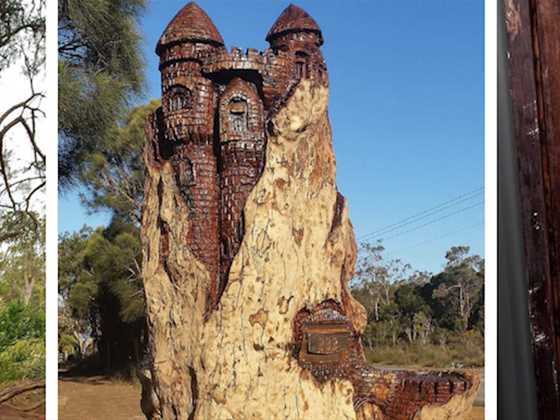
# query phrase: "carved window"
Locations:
[[302, 65], [238, 115], [186, 175], [180, 98]]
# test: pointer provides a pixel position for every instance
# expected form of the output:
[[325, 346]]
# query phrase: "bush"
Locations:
[[25, 359], [18, 321], [461, 351], [22, 344]]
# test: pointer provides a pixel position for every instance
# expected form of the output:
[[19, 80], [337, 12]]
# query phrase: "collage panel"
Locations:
[[271, 210], [23, 148]]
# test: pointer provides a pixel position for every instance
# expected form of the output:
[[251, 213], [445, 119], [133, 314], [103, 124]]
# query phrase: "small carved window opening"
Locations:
[[189, 173], [238, 115], [302, 65], [180, 98]]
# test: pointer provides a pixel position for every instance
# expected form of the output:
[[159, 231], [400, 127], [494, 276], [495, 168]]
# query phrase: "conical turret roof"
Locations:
[[294, 19], [190, 24]]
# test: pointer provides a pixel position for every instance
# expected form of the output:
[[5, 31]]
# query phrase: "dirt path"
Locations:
[[98, 398], [8, 413], [28, 405]]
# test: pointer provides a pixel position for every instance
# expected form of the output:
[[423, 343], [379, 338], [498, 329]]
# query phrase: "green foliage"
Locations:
[[114, 174], [100, 70], [94, 263], [22, 346], [22, 264], [101, 290], [20, 322], [419, 318], [25, 359], [22, 304]]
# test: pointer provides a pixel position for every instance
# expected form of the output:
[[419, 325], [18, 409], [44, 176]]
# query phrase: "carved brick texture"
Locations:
[[212, 123], [399, 394]]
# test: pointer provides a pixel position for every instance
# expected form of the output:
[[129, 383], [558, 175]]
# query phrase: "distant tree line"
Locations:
[[407, 306]]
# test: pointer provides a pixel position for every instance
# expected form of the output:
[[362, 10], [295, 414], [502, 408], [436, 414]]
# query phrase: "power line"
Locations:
[[431, 222], [428, 241], [424, 214]]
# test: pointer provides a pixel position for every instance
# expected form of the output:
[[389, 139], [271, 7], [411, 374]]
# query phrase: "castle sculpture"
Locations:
[[217, 114], [214, 107]]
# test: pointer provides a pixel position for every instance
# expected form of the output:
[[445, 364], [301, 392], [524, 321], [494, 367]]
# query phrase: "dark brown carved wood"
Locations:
[[212, 120], [327, 345], [534, 63]]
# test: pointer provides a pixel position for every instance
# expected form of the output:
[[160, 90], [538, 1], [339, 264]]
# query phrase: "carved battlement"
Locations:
[[237, 59]]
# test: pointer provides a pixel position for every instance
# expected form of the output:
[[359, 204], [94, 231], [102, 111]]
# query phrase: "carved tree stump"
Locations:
[[269, 330]]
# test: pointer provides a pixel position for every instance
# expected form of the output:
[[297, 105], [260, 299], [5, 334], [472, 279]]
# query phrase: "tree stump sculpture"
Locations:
[[248, 248]]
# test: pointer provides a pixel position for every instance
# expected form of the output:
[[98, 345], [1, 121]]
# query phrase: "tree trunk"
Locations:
[[283, 340]]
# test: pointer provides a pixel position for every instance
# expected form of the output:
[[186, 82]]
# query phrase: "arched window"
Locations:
[[179, 98], [302, 64], [238, 118]]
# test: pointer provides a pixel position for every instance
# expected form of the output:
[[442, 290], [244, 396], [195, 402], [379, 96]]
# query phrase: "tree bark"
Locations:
[[250, 355]]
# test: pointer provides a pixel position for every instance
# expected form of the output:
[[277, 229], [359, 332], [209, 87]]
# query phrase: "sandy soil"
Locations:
[[98, 398], [9, 411]]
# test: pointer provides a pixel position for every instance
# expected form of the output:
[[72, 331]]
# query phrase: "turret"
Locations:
[[242, 139], [188, 97], [188, 110], [297, 33], [294, 29]]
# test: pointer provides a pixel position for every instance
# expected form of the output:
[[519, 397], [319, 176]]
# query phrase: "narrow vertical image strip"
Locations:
[[22, 209]]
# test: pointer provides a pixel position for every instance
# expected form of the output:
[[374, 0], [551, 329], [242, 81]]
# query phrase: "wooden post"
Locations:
[[534, 60]]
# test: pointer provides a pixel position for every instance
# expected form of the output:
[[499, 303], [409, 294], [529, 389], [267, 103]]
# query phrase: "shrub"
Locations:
[[18, 321], [462, 350], [25, 359]]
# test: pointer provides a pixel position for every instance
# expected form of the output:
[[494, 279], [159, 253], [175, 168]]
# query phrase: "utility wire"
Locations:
[[431, 222], [424, 214], [446, 235]]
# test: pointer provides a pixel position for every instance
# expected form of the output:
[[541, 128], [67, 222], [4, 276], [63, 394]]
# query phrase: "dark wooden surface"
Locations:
[[534, 64]]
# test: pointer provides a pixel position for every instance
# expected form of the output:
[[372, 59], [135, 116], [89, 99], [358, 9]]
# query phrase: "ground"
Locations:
[[7, 413], [31, 406], [100, 398]]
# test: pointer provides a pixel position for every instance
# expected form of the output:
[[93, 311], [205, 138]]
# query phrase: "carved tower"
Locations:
[[242, 139], [188, 104]]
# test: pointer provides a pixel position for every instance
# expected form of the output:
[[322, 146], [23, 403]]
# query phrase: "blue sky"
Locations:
[[406, 106]]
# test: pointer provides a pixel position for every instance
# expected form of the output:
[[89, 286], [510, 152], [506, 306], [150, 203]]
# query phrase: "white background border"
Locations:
[[52, 212], [491, 210]]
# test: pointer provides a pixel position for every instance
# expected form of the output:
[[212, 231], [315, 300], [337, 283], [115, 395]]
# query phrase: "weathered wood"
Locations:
[[533, 52], [248, 247]]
